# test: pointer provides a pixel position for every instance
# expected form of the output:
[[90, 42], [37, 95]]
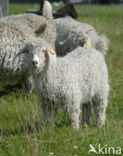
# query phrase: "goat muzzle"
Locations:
[[35, 63]]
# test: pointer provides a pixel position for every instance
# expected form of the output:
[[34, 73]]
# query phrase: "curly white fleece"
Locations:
[[69, 81], [71, 34], [14, 30]]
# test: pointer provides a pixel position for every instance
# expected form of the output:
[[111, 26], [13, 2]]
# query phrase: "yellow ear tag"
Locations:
[[52, 52], [89, 44]]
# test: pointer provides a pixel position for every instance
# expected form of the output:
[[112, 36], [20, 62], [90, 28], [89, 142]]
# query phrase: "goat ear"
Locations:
[[51, 54], [41, 29]]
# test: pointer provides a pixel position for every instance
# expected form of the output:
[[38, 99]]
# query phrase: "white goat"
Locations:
[[71, 34], [68, 81], [14, 30]]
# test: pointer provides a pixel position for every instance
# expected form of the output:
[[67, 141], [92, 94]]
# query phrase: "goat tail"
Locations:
[[102, 44]]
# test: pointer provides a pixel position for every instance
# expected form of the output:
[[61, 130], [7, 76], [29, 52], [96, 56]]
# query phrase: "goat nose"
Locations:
[[35, 63]]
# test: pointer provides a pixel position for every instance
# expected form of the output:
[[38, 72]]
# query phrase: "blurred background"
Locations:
[[4, 4], [68, 1]]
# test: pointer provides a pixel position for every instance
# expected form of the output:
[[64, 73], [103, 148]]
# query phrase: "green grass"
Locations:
[[22, 131]]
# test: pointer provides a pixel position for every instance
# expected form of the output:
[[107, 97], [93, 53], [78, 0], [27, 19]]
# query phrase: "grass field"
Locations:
[[22, 132]]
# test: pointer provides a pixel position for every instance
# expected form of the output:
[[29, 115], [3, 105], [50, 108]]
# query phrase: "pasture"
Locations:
[[22, 131]]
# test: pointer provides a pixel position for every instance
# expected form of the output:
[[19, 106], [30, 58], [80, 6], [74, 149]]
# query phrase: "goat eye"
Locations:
[[44, 50]]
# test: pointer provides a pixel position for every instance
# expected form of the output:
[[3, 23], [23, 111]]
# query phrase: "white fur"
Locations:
[[36, 59], [71, 82], [71, 34], [52, 58], [47, 10], [14, 31]]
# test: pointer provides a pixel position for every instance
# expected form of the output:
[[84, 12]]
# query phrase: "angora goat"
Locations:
[[68, 82], [13, 33], [71, 34]]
